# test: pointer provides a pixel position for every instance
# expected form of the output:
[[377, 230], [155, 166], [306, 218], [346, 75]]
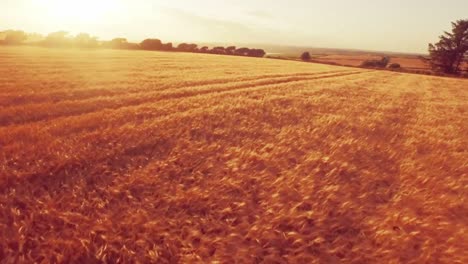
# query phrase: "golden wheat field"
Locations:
[[144, 157]]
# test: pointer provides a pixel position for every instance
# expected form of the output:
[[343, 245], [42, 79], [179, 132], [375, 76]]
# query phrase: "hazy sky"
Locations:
[[388, 25]]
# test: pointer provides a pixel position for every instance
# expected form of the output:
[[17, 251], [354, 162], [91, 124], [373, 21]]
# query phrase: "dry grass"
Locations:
[[115, 156]]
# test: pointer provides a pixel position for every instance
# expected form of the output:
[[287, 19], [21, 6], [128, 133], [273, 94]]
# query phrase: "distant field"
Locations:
[[408, 62], [125, 156], [344, 57]]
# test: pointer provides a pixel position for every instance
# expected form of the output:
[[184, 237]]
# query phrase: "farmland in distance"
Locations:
[[125, 156]]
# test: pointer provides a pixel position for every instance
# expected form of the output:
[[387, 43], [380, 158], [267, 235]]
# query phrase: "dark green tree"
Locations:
[[448, 54]]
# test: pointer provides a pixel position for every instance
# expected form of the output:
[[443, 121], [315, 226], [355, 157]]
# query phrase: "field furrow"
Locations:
[[65, 126], [109, 90], [60, 144], [36, 112]]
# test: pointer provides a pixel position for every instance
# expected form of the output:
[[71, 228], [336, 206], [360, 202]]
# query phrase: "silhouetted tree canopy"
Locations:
[[151, 44], [306, 56], [58, 39], [155, 44], [120, 43], [242, 51], [167, 46], [382, 63], [256, 53], [84, 40], [218, 50], [187, 47], [448, 54], [230, 50], [14, 37], [34, 37]]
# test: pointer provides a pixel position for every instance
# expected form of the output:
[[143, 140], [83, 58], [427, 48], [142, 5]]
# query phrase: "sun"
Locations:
[[77, 11]]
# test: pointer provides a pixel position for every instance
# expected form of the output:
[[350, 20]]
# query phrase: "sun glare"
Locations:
[[77, 11]]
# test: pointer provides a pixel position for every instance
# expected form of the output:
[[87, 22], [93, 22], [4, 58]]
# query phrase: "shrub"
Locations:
[[306, 56], [256, 53], [382, 63], [394, 66]]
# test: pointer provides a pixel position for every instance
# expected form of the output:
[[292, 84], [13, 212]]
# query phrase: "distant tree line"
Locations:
[[84, 40], [156, 44]]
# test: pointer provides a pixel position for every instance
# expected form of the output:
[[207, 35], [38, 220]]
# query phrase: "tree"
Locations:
[[187, 47], [35, 37], [182, 46], [382, 63], [167, 46], [58, 39], [151, 44], [242, 51], [192, 47], [118, 43], [256, 53], [218, 50], [466, 70], [14, 37], [84, 40], [306, 56], [448, 54], [230, 50]]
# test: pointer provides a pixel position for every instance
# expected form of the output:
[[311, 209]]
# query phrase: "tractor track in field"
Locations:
[[14, 99], [76, 108], [132, 114], [115, 133]]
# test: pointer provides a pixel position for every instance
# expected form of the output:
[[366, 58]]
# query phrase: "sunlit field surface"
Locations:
[[126, 156]]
